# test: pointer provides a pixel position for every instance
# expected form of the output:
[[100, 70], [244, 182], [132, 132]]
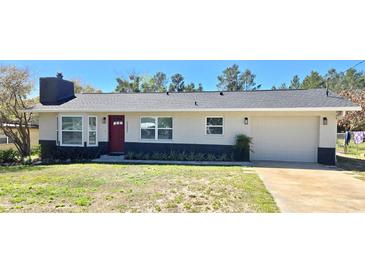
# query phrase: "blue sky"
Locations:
[[102, 74]]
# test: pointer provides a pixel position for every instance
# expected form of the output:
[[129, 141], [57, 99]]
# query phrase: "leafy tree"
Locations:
[[273, 87], [147, 84], [248, 80], [80, 88], [177, 83], [232, 79], [132, 84], [313, 80], [229, 80], [283, 86], [190, 88], [334, 80], [156, 83], [15, 87], [354, 120], [295, 82], [353, 79], [159, 82]]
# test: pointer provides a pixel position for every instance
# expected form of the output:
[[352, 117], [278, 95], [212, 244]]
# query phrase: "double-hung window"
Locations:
[[156, 128], [5, 139], [92, 135], [71, 130], [214, 126]]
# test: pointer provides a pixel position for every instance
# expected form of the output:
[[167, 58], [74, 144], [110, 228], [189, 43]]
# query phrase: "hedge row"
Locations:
[[179, 156]]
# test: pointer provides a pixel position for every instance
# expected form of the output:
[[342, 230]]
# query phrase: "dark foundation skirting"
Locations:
[[327, 156], [50, 150]]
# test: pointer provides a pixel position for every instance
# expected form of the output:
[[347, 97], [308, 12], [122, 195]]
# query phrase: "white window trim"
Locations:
[[206, 126], [156, 128], [7, 139], [58, 131], [82, 131], [96, 131]]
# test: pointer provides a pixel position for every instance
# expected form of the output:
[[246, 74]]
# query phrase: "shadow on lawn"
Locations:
[[292, 165], [350, 163], [17, 168]]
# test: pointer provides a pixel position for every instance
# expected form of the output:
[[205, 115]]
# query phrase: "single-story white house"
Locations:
[[285, 125]]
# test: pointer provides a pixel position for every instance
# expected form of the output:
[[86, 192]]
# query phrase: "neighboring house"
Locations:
[[6, 142], [285, 125]]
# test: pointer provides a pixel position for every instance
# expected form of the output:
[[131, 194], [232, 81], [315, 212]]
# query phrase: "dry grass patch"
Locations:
[[132, 188]]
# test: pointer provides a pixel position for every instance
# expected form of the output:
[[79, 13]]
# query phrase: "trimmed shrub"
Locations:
[[199, 157], [243, 142], [211, 157], [130, 155], [242, 146], [36, 150], [182, 156], [8, 156], [179, 156], [146, 156]]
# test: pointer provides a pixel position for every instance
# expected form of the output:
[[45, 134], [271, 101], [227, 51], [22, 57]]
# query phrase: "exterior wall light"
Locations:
[[245, 121], [104, 120], [325, 121]]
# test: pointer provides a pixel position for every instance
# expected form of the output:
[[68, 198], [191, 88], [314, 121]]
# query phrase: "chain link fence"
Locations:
[[352, 148]]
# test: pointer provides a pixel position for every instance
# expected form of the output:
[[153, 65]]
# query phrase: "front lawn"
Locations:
[[353, 160], [132, 188]]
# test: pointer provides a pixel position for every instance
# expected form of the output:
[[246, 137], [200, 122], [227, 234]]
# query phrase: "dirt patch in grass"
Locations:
[[132, 188]]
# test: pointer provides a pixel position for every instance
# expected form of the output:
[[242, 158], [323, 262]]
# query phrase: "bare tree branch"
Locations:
[[15, 86]]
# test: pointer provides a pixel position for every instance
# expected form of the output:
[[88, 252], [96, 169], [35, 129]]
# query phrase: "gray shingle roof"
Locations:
[[253, 100]]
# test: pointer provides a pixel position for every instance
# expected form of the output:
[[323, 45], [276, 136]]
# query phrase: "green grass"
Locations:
[[357, 166], [353, 150], [132, 188], [353, 160]]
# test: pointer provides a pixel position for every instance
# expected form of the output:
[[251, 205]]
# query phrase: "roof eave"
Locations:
[[345, 108]]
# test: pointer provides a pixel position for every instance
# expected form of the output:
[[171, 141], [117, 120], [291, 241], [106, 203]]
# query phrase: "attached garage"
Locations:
[[293, 139], [285, 125]]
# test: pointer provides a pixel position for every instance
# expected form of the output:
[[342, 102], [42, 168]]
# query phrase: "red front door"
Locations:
[[116, 133]]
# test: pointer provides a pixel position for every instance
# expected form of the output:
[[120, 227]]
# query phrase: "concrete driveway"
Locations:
[[302, 187]]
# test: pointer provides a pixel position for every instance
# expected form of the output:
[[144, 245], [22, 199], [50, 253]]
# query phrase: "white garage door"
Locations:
[[285, 138]]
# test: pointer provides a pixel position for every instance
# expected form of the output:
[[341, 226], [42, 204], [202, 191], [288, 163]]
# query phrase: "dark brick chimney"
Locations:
[[55, 90]]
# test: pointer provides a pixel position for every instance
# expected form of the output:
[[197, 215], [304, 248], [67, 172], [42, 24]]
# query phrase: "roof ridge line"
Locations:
[[207, 91]]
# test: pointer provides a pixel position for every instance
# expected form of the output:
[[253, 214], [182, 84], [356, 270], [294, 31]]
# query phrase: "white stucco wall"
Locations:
[[189, 127], [328, 133], [47, 126]]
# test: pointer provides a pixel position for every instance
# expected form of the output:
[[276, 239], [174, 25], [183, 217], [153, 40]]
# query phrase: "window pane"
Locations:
[[10, 141], [72, 138], [165, 122], [92, 123], [214, 121], [72, 123], [165, 134], [215, 130], [148, 122], [3, 140], [92, 137], [147, 133]]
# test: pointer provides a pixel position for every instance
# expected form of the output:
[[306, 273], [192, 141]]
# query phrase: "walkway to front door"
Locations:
[[116, 134]]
